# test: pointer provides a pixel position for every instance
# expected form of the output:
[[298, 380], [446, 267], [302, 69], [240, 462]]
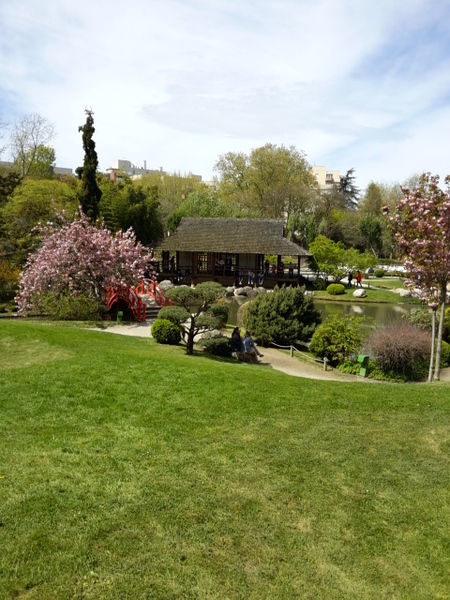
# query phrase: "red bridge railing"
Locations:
[[131, 297]]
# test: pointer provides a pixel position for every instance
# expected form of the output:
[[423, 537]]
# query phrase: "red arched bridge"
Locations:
[[141, 300]]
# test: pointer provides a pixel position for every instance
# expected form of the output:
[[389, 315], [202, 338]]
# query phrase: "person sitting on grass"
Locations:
[[236, 343], [250, 346]]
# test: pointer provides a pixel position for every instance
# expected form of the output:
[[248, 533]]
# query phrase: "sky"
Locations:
[[177, 83]]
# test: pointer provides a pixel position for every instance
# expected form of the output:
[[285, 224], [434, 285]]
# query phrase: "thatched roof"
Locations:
[[232, 236]]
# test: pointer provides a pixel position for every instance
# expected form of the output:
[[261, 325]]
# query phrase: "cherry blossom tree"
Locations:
[[77, 259], [421, 227]]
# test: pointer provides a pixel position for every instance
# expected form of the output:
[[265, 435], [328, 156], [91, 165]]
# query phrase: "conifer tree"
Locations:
[[90, 192]]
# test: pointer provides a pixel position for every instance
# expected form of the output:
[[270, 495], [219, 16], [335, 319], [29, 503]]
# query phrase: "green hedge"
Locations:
[[379, 273], [336, 289], [166, 332]]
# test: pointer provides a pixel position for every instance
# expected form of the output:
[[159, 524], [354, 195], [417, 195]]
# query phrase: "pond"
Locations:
[[382, 314]]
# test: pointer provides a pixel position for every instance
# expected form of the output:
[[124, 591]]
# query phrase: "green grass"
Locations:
[[130, 470], [374, 294], [384, 282]]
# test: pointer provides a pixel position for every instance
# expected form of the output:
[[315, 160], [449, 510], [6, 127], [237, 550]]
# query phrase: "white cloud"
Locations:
[[353, 83]]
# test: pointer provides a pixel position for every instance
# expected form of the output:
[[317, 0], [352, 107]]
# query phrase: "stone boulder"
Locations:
[[165, 285], [405, 293], [360, 293], [243, 291], [208, 335], [229, 291]]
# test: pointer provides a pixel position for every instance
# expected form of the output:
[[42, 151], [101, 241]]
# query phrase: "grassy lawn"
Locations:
[[130, 470], [375, 293]]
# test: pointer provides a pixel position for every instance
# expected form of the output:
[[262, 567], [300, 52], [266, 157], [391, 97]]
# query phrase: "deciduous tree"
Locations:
[[421, 226], [78, 259], [273, 180], [28, 135]]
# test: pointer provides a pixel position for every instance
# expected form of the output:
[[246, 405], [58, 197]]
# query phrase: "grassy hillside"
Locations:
[[130, 470]]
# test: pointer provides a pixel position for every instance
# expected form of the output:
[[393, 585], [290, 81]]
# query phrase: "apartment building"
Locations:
[[326, 178]]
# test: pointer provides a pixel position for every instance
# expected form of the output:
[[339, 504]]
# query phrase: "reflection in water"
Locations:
[[382, 314]]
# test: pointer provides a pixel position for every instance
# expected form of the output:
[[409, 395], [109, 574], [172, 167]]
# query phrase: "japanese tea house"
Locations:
[[232, 252]]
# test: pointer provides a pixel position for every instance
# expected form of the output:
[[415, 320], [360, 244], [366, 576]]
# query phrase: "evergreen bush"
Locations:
[[379, 273], [219, 346], [339, 338], [166, 332], [336, 289], [283, 317]]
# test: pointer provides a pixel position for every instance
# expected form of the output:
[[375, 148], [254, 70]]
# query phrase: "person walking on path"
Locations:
[[350, 277], [358, 279]]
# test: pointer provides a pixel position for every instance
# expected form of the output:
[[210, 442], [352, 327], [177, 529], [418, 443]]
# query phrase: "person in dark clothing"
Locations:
[[236, 341], [350, 277]]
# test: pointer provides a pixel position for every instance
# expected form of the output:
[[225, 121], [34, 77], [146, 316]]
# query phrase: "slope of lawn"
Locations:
[[130, 470]]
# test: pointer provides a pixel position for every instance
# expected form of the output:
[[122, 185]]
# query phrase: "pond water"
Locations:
[[382, 314]]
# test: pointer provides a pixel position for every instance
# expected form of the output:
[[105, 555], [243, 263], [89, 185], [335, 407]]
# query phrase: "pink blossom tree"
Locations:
[[79, 260], [421, 227]]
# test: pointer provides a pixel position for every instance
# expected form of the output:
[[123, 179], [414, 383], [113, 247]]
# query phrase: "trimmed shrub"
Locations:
[[379, 273], [401, 350], [320, 284], [166, 332], [336, 289], [220, 311], [283, 317], [219, 346], [339, 338]]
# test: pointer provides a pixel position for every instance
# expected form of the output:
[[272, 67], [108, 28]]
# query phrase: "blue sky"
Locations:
[[352, 83]]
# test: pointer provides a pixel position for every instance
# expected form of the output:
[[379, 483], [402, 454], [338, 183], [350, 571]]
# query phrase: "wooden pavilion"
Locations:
[[232, 252]]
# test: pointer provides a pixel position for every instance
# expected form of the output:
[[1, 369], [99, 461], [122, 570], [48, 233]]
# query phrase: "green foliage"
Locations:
[[371, 232], [220, 312], [125, 204], [445, 355], [218, 346], [334, 260], [67, 307], [166, 332], [9, 181], [320, 284], [90, 193], [379, 273], [339, 338], [32, 202], [9, 279], [270, 180], [336, 289], [422, 318], [39, 163], [283, 317], [193, 311], [201, 203]]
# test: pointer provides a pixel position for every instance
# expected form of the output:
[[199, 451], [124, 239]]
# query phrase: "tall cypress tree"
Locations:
[[90, 192]]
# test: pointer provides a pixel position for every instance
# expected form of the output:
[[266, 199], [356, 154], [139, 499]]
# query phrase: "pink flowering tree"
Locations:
[[421, 227], [75, 265]]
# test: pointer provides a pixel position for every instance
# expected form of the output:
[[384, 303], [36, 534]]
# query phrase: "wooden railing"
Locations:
[[150, 287], [128, 295]]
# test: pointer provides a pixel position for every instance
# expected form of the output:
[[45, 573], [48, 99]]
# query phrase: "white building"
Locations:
[[325, 178]]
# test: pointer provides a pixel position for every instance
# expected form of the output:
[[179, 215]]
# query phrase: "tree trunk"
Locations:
[[190, 337], [433, 341], [437, 368]]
